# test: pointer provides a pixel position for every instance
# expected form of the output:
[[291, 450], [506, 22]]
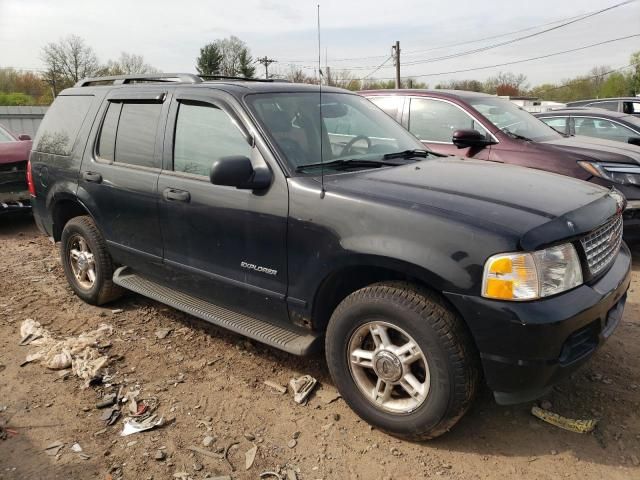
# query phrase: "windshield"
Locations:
[[352, 128], [513, 120], [5, 137]]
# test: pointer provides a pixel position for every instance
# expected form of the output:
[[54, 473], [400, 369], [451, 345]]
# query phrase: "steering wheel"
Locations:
[[351, 142]]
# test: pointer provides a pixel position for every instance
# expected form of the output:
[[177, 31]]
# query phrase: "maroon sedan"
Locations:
[[14, 154], [488, 127]]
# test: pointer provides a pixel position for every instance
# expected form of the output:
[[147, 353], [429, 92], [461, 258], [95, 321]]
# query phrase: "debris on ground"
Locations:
[[573, 425], [208, 441], [110, 416], [302, 387], [159, 455], [107, 401], [226, 454], [132, 426], [250, 457], [80, 353], [162, 333], [54, 448], [76, 448], [291, 474], [281, 389], [328, 394], [116, 311], [271, 474], [206, 453]]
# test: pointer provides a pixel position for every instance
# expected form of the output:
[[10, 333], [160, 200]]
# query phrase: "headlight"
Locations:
[[527, 276], [615, 172]]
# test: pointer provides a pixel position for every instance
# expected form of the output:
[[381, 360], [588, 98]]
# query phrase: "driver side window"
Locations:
[[435, 120]]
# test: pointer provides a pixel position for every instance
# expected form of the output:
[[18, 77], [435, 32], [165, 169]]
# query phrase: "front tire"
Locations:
[[402, 360], [86, 262]]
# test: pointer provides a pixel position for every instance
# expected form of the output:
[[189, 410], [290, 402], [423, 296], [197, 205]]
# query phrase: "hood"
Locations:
[[503, 198], [11, 152], [597, 149]]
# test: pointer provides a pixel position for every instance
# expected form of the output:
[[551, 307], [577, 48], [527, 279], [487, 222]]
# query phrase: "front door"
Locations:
[[225, 245], [433, 121]]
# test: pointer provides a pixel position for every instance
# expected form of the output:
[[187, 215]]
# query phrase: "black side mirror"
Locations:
[[24, 137], [470, 138], [634, 141], [237, 171]]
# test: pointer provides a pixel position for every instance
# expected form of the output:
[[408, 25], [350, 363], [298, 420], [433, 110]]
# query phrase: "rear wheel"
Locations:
[[402, 360], [86, 262]]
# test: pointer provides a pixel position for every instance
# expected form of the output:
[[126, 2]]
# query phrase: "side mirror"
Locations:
[[634, 141], [24, 137], [237, 171], [470, 138]]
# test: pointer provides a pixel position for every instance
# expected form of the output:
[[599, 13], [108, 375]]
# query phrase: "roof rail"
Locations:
[[246, 79], [149, 77]]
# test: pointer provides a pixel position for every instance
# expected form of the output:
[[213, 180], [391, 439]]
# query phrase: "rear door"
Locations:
[[433, 121], [119, 175], [224, 245]]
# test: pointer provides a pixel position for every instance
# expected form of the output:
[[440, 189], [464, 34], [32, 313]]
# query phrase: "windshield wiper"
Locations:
[[407, 154], [517, 135], [349, 163]]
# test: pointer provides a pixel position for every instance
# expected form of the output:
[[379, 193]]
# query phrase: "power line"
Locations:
[[377, 68], [568, 20], [521, 61]]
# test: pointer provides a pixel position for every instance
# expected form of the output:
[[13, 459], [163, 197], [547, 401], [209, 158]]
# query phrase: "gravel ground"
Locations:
[[209, 383]]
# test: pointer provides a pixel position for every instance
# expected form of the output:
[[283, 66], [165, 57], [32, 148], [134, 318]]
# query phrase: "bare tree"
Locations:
[[297, 75], [68, 61], [127, 64]]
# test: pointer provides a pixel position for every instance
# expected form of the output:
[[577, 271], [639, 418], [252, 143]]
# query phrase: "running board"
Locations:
[[291, 339]]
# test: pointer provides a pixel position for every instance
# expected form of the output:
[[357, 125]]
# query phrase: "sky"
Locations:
[[170, 34]]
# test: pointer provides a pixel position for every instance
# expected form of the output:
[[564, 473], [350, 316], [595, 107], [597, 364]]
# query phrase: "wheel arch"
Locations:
[[63, 208]]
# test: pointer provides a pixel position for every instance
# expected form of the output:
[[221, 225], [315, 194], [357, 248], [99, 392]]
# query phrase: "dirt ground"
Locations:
[[209, 382]]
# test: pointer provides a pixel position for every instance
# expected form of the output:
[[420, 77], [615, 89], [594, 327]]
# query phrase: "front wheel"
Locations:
[[86, 262], [402, 360]]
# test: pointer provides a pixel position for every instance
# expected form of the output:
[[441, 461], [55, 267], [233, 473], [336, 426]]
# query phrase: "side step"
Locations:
[[291, 339]]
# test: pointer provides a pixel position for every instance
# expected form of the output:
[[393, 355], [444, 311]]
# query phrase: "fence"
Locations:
[[22, 119]]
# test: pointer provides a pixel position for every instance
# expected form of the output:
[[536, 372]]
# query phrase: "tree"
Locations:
[[127, 64], [228, 56], [615, 85], [67, 61], [297, 75], [635, 75], [247, 68], [210, 60], [468, 85], [508, 83]]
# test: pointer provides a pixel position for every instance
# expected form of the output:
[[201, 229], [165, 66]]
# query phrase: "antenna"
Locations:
[[322, 191]]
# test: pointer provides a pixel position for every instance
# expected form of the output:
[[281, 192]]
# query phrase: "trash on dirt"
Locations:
[[162, 333], [132, 426], [159, 455], [110, 416], [107, 401], [250, 457], [578, 426], [206, 453], [79, 353], [31, 330], [271, 474], [76, 447], [115, 311], [302, 387], [281, 389], [225, 455], [54, 448], [328, 394], [84, 456], [208, 441], [292, 443], [291, 474]]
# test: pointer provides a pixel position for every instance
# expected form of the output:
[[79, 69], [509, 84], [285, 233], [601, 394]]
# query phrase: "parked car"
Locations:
[[594, 122], [626, 105], [486, 127], [294, 216], [14, 154]]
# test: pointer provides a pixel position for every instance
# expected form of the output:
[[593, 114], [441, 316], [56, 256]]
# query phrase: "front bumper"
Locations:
[[527, 347]]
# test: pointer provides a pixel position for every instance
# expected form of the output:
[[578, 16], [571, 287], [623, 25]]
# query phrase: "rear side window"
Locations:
[[61, 124], [128, 133], [205, 133], [390, 105], [613, 106]]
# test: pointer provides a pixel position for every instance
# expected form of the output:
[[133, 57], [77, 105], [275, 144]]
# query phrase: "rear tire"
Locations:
[[87, 263], [402, 360]]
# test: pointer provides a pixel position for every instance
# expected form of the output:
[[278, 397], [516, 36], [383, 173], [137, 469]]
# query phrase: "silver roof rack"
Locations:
[[140, 78]]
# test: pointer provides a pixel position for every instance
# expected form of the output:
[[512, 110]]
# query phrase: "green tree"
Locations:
[[247, 67], [615, 85], [635, 75], [210, 60]]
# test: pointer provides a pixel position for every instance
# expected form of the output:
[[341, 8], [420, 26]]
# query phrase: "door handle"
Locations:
[[173, 195], [92, 177]]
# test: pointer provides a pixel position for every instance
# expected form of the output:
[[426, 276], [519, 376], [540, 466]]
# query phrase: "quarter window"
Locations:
[[390, 105], [557, 123], [435, 121], [61, 124], [203, 134]]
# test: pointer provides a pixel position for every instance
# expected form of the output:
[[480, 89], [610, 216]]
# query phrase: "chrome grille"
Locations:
[[602, 245]]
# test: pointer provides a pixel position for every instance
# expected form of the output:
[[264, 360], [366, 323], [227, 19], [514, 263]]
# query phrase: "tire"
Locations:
[[447, 358], [102, 289]]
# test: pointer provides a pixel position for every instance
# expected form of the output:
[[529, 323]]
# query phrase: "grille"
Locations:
[[602, 245]]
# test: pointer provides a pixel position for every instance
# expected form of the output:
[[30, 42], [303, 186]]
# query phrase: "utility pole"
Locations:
[[328, 69], [395, 53], [266, 62]]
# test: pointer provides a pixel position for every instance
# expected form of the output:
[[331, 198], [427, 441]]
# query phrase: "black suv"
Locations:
[[290, 215]]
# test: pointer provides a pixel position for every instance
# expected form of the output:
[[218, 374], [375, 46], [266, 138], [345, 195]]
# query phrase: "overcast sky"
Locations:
[[169, 34]]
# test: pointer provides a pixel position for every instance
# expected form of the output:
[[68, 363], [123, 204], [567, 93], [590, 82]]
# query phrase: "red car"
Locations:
[[14, 154], [487, 127]]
